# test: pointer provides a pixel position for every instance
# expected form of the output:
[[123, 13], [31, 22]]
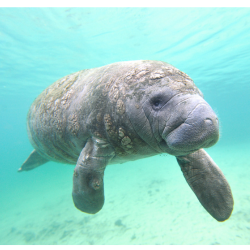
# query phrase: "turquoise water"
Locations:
[[147, 201]]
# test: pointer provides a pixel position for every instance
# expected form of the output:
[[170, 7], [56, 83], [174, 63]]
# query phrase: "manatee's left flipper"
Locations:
[[88, 190], [34, 160], [208, 183]]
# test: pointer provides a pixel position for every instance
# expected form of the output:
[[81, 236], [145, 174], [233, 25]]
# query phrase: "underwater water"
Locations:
[[146, 201]]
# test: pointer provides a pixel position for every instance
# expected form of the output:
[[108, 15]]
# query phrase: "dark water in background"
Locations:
[[40, 45]]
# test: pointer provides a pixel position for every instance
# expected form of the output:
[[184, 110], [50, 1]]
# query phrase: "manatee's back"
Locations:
[[48, 120], [62, 117]]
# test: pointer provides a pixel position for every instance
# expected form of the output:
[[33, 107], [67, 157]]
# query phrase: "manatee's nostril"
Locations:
[[208, 121]]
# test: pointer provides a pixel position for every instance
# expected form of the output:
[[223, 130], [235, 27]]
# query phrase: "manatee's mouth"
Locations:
[[188, 138], [199, 130], [176, 152]]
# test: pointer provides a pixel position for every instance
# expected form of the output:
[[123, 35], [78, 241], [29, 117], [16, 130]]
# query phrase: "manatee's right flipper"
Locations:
[[88, 189], [208, 183], [34, 160]]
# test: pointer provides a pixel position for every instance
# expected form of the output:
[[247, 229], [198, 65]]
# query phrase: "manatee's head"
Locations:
[[191, 123], [170, 114]]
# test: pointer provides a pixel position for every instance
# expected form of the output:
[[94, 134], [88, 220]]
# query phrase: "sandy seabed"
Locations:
[[146, 202]]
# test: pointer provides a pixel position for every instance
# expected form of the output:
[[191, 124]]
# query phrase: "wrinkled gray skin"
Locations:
[[122, 112]]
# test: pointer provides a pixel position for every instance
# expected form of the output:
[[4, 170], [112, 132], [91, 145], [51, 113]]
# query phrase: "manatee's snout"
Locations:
[[199, 130], [88, 191]]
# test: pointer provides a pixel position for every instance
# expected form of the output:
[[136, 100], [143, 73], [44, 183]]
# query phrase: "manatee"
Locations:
[[123, 112]]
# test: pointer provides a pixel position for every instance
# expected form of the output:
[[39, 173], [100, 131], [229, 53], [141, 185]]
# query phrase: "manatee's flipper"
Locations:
[[208, 183], [34, 160], [88, 190]]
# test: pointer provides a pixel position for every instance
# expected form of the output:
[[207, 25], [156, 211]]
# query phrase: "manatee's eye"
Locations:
[[156, 103]]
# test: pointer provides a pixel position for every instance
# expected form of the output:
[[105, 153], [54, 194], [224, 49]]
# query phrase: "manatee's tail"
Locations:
[[34, 160]]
